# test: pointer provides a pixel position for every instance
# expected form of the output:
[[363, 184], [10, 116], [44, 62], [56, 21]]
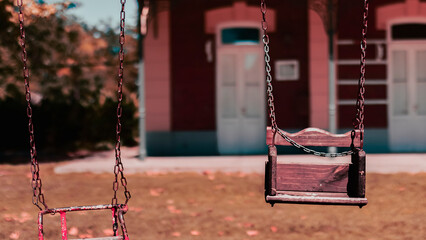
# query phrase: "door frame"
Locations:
[[409, 46], [222, 48]]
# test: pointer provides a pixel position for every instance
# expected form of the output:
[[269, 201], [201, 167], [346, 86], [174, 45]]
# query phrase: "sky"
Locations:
[[93, 12]]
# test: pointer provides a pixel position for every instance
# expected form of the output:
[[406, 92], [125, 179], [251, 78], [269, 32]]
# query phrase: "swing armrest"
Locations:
[[315, 137]]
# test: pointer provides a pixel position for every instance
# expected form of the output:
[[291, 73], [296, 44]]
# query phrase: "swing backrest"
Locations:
[[316, 137]]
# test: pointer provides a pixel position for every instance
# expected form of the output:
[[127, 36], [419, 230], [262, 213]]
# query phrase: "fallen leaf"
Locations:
[[195, 233], [220, 233], [173, 209], [108, 231], [15, 235], [24, 217], [176, 234], [252, 233], [73, 231], [8, 218], [87, 235], [195, 214], [156, 191], [274, 229], [135, 209], [209, 175], [248, 225]]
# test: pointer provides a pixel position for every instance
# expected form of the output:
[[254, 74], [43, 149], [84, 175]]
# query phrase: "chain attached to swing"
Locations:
[[36, 184], [358, 121], [119, 168]]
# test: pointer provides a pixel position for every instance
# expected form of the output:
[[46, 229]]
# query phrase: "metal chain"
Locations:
[[268, 68], [119, 168], [271, 104], [36, 184], [358, 122], [311, 151]]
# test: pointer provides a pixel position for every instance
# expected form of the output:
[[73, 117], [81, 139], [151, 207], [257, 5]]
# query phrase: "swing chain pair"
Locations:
[[358, 121], [36, 184], [119, 168]]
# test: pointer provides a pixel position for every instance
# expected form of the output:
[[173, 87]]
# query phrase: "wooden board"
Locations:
[[102, 238], [312, 178], [315, 198], [315, 137]]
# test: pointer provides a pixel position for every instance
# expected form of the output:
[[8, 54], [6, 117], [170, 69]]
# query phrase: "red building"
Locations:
[[205, 74]]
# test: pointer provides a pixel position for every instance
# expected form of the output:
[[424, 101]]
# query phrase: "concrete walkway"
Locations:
[[103, 162]]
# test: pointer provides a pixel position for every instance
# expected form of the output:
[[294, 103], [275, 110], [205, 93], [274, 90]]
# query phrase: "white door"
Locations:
[[407, 97], [240, 100]]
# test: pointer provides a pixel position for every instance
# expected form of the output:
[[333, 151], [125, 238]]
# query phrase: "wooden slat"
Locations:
[[315, 198], [102, 238], [312, 178], [315, 137]]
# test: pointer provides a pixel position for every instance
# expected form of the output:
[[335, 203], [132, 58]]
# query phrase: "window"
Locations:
[[240, 36], [287, 70], [410, 31]]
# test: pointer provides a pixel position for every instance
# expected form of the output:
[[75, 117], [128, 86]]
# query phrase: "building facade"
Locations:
[[205, 74]]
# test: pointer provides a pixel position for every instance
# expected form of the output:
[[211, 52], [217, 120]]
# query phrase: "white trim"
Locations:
[[352, 102], [353, 42], [357, 62], [368, 82]]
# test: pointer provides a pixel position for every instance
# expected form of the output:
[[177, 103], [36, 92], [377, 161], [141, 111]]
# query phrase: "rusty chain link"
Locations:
[[36, 184], [358, 123], [268, 68], [119, 168]]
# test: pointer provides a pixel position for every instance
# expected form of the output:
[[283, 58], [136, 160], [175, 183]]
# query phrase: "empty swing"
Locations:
[[38, 199], [310, 183]]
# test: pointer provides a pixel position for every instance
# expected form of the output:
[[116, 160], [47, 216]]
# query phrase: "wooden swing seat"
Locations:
[[118, 211], [312, 182]]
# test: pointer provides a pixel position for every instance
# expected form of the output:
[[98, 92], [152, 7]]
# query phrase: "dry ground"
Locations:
[[211, 206]]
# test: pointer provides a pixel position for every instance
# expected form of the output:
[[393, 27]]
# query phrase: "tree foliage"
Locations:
[[73, 73]]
